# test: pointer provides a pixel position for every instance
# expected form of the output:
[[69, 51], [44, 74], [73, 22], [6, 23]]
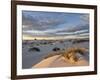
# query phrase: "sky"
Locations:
[[51, 25]]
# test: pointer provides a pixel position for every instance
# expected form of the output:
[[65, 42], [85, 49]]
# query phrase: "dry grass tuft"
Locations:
[[71, 53]]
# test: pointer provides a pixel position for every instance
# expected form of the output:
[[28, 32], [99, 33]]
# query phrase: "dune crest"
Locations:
[[59, 61]]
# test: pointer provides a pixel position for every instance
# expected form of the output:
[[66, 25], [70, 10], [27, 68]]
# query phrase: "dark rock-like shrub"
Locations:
[[56, 49], [34, 49]]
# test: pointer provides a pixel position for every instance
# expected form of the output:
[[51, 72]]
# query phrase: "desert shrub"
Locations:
[[34, 49], [76, 50], [72, 53], [56, 49]]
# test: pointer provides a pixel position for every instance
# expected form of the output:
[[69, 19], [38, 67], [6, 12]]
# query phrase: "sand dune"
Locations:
[[60, 61], [31, 57]]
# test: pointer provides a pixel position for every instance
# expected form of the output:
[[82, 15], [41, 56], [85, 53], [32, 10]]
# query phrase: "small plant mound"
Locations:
[[34, 49], [56, 49], [71, 53]]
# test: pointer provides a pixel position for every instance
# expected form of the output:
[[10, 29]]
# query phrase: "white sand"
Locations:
[[59, 61], [30, 58]]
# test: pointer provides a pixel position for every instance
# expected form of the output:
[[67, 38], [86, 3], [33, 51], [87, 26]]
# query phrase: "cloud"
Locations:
[[40, 20], [85, 18], [73, 33], [37, 23], [64, 34]]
